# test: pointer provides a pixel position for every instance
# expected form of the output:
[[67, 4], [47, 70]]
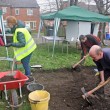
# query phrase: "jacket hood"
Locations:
[[20, 24]]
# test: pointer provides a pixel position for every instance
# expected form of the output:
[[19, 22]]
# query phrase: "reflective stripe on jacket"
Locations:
[[30, 46]]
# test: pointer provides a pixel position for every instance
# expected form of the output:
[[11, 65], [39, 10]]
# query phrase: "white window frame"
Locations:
[[4, 9], [29, 12], [34, 24], [17, 11]]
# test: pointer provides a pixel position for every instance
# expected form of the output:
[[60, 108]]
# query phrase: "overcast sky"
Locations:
[[44, 4], [46, 1], [43, 1]]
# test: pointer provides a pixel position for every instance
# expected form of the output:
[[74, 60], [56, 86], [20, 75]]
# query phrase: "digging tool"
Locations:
[[89, 93], [12, 73], [84, 92], [75, 65]]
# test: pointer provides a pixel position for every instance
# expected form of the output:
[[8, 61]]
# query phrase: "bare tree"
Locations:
[[103, 7], [59, 4], [49, 4], [73, 2]]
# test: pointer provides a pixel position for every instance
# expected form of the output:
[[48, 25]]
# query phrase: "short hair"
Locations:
[[99, 49], [81, 37], [11, 19]]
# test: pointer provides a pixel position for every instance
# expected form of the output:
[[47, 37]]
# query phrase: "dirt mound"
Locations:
[[65, 85]]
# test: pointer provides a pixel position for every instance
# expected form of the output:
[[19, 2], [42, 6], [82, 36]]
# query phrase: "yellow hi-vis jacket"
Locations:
[[30, 45]]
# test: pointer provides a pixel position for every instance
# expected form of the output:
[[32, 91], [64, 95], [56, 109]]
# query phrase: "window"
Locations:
[[4, 9], [16, 11], [31, 24], [29, 12]]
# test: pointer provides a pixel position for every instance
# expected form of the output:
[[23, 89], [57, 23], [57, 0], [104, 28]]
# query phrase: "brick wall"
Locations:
[[23, 15]]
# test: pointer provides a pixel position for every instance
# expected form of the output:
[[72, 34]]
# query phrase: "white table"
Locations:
[[51, 38]]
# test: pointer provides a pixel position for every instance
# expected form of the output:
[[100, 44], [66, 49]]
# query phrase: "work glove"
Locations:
[[8, 45]]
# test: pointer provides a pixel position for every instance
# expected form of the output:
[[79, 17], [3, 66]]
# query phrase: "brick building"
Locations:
[[25, 10]]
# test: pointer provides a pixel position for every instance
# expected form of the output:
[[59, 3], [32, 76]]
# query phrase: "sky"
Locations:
[[46, 1], [44, 4], [41, 1]]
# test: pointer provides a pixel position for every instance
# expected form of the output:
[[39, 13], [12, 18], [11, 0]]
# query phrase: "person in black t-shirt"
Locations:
[[101, 57]]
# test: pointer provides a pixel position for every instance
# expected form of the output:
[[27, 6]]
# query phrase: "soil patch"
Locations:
[[7, 78], [65, 86]]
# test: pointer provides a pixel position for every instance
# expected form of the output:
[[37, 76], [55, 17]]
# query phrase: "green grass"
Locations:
[[44, 57], [59, 60]]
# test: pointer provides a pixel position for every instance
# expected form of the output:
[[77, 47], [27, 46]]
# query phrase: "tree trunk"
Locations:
[[57, 4], [102, 5], [73, 2]]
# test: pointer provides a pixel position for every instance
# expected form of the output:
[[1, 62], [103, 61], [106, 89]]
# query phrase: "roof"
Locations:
[[78, 14], [20, 3]]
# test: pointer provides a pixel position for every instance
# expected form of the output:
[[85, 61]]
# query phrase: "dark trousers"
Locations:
[[25, 62]]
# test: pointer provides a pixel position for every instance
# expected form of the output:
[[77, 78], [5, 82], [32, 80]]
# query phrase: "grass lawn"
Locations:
[[44, 57]]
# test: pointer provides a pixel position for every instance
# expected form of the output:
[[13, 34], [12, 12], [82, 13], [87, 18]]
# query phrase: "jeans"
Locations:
[[25, 62]]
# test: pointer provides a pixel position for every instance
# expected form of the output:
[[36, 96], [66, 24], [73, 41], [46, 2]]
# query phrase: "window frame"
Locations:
[[29, 12], [16, 9], [4, 10]]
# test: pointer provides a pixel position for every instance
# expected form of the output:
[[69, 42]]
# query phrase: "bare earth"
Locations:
[[65, 85]]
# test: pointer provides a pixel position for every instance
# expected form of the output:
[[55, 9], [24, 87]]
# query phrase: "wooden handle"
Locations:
[[80, 61], [98, 87]]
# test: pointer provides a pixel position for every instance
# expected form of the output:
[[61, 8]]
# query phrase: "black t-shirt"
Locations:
[[104, 63]]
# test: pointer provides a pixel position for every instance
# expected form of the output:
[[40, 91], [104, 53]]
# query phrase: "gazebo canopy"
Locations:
[[73, 13], [78, 14]]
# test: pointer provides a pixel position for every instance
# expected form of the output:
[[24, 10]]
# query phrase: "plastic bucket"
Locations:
[[107, 36], [34, 86], [39, 100]]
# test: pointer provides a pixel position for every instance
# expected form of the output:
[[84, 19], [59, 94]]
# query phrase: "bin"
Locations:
[[39, 100], [34, 86], [50, 30], [107, 36]]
